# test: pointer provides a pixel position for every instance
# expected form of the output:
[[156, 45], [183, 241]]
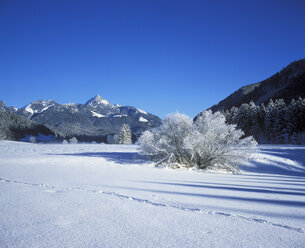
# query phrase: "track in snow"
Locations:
[[54, 189]]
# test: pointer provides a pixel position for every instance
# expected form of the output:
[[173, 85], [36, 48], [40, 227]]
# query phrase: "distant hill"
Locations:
[[287, 84], [273, 111], [15, 127], [94, 120]]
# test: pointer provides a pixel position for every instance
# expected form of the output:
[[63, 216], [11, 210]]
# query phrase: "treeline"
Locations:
[[277, 122]]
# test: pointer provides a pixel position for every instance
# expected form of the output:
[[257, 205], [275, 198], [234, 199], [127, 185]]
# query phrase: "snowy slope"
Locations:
[[93, 195]]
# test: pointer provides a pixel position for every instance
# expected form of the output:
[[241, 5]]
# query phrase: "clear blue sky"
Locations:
[[158, 55]]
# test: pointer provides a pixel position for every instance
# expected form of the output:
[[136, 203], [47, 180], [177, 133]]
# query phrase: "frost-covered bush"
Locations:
[[206, 143], [65, 142], [165, 143], [73, 140], [213, 143]]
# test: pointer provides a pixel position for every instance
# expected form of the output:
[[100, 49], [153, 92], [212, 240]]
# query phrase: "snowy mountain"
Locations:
[[287, 84], [98, 101], [97, 117], [4, 108]]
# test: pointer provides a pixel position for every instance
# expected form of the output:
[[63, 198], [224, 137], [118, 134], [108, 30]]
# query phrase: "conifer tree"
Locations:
[[270, 120], [279, 129], [125, 135]]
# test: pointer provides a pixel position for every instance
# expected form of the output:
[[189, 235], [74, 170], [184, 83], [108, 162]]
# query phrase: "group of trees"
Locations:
[[277, 122], [207, 142], [15, 127]]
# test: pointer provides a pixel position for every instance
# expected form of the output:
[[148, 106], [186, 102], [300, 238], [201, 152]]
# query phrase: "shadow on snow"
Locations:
[[117, 157], [279, 161]]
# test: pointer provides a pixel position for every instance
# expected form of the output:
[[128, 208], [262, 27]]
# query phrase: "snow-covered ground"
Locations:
[[93, 195]]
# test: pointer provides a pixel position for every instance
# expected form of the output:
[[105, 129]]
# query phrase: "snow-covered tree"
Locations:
[[291, 120], [73, 140], [125, 135], [231, 119], [300, 106], [253, 114], [270, 120], [279, 129], [208, 142], [278, 122]]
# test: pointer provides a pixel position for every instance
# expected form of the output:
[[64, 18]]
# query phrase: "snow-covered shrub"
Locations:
[[125, 135], [166, 142], [213, 143], [73, 140], [32, 139], [65, 142], [206, 143]]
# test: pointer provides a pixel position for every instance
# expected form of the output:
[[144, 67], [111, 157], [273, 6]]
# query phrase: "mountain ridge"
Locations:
[[286, 84], [96, 117]]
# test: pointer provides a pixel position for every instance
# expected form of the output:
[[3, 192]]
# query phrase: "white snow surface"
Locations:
[[142, 119], [96, 195], [118, 116], [142, 111], [29, 109], [98, 100], [45, 108], [97, 114], [69, 104]]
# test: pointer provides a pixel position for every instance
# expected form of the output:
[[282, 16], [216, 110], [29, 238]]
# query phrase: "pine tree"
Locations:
[[269, 121], [291, 121], [300, 114], [125, 135], [279, 129], [242, 117], [231, 119]]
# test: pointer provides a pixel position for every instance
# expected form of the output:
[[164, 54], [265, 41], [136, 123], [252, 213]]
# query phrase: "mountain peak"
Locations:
[[97, 101]]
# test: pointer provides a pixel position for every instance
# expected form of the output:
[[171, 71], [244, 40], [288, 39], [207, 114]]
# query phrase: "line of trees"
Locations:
[[277, 122]]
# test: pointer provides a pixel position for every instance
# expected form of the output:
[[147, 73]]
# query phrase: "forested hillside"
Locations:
[[278, 122], [287, 84]]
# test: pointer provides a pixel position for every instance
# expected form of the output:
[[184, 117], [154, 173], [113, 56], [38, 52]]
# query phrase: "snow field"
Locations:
[[93, 195]]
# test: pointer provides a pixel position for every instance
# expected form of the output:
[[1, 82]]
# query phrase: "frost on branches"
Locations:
[[207, 143]]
